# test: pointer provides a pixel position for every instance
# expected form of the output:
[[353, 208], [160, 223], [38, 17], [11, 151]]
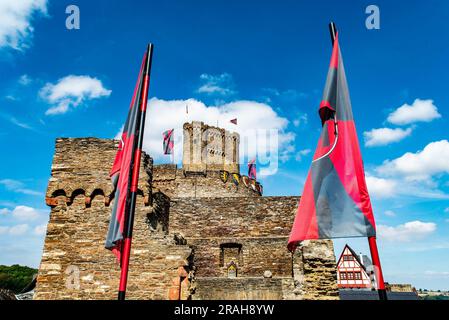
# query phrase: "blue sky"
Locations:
[[262, 62]]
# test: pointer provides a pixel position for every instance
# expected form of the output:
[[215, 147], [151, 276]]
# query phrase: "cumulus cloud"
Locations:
[[18, 187], [385, 136], [380, 187], [71, 91], [25, 213], [16, 21], [413, 230], [390, 213], [24, 80], [222, 84], [40, 229], [300, 154], [16, 230], [421, 165], [302, 119], [262, 131], [22, 213], [419, 111]]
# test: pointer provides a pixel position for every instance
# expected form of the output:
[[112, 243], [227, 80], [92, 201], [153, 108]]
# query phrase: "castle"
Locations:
[[201, 231]]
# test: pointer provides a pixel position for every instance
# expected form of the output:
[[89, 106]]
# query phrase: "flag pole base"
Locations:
[[121, 295], [382, 294]]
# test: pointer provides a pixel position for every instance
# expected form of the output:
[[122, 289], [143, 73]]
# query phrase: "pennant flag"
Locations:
[[236, 178], [259, 188], [335, 202], [234, 121], [120, 172], [245, 181], [253, 184], [252, 169], [224, 176], [168, 141]]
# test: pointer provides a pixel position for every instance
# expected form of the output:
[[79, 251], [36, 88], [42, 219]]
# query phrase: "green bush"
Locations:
[[15, 277]]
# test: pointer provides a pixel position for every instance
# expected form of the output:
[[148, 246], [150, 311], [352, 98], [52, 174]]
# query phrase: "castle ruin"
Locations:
[[196, 236]]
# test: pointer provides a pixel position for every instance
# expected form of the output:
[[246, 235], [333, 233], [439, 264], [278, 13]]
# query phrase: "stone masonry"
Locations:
[[195, 236]]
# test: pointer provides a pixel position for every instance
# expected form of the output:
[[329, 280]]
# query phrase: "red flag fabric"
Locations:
[[335, 202], [168, 143], [252, 169], [120, 172], [234, 121]]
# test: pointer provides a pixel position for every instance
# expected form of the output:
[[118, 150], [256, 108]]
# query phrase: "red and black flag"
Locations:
[[252, 169], [335, 202], [168, 141], [122, 174]]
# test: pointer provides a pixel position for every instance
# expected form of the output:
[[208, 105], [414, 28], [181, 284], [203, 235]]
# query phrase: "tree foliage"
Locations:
[[15, 277]]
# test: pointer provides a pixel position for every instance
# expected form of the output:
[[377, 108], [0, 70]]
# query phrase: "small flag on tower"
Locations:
[[252, 169], [168, 141], [234, 121]]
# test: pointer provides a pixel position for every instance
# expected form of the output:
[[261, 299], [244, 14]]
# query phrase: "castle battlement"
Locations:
[[81, 166]]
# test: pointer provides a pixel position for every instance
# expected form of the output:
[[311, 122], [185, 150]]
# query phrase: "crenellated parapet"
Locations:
[[81, 169], [175, 182]]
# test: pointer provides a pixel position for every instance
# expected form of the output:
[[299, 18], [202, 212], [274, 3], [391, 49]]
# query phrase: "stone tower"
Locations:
[[196, 236], [208, 148]]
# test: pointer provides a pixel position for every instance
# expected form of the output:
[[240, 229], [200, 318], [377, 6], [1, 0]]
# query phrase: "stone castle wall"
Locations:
[[175, 183], [75, 264], [195, 237]]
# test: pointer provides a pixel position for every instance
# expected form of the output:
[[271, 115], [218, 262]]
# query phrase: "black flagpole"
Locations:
[[134, 174], [371, 240]]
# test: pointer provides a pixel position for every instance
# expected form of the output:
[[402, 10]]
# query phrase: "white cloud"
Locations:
[[20, 124], [24, 80], [4, 211], [221, 84], [25, 213], [413, 230], [16, 230], [300, 154], [40, 230], [289, 94], [18, 186], [15, 21], [71, 91], [419, 111], [390, 213], [301, 119], [261, 129], [419, 166], [431, 273], [380, 187], [384, 136]]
